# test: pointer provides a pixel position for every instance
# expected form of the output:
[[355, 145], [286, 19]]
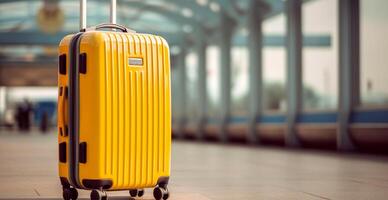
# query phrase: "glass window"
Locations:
[[2, 102], [2, 99], [192, 87], [374, 48], [274, 65], [239, 76], [213, 81], [320, 62]]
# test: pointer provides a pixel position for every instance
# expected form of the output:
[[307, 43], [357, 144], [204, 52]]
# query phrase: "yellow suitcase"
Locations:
[[114, 117]]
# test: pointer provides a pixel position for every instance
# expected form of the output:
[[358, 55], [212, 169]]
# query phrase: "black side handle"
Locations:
[[62, 64], [62, 152]]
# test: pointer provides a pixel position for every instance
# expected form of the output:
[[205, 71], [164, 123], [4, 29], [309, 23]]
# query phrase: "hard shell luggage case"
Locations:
[[114, 118]]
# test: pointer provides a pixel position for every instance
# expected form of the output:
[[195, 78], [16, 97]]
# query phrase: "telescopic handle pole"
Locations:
[[82, 19], [113, 11]]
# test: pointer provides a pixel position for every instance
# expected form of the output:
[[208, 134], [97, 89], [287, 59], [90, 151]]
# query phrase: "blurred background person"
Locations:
[[23, 115]]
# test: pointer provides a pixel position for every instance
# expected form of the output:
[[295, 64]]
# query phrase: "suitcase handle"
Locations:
[[112, 17], [107, 25]]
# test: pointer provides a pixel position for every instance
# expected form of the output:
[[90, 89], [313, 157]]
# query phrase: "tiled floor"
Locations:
[[200, 171]]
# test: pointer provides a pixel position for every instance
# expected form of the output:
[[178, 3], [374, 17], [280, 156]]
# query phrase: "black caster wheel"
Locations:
[[166, 195], [74, 193], [70, 194], [140, 193], [98, 195], [136, 192], [161, 193], [66, 194], [133, 193]]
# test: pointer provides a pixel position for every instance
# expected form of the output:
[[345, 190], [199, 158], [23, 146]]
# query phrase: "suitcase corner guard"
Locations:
[[64, 182], [163, 181]]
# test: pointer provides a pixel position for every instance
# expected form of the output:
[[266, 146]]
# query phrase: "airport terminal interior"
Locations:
[[271, 99]]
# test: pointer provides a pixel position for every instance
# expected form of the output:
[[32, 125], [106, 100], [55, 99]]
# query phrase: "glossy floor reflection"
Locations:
[[209, 171]]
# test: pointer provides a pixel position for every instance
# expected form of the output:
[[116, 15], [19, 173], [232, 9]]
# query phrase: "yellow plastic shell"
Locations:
[[125, 109]]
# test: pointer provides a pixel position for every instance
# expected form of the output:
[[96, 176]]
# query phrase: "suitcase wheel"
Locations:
[[136, 192], [98, 195], [69, 193], [161, 193]]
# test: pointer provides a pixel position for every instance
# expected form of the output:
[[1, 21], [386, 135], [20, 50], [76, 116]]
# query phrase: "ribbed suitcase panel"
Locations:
[[135, 122]]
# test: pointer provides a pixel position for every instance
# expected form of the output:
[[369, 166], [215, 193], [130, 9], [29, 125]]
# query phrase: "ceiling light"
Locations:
[[187, 12], [202, 2], [187, 28], [214, 7]]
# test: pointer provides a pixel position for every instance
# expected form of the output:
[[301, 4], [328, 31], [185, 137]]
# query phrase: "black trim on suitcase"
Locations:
[[82, 152], [62, 152], [62, 64], [97, 183], [65, 131], [82, 63], [66, 91], [73, 94]]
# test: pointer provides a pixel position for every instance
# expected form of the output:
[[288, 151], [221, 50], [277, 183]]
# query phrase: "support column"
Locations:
[[294, 69], [202, 82], [255, 46], [349, 69], [226, 32], [181, 63]]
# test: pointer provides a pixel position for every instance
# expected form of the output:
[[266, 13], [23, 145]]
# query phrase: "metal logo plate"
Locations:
[[135, 62]]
